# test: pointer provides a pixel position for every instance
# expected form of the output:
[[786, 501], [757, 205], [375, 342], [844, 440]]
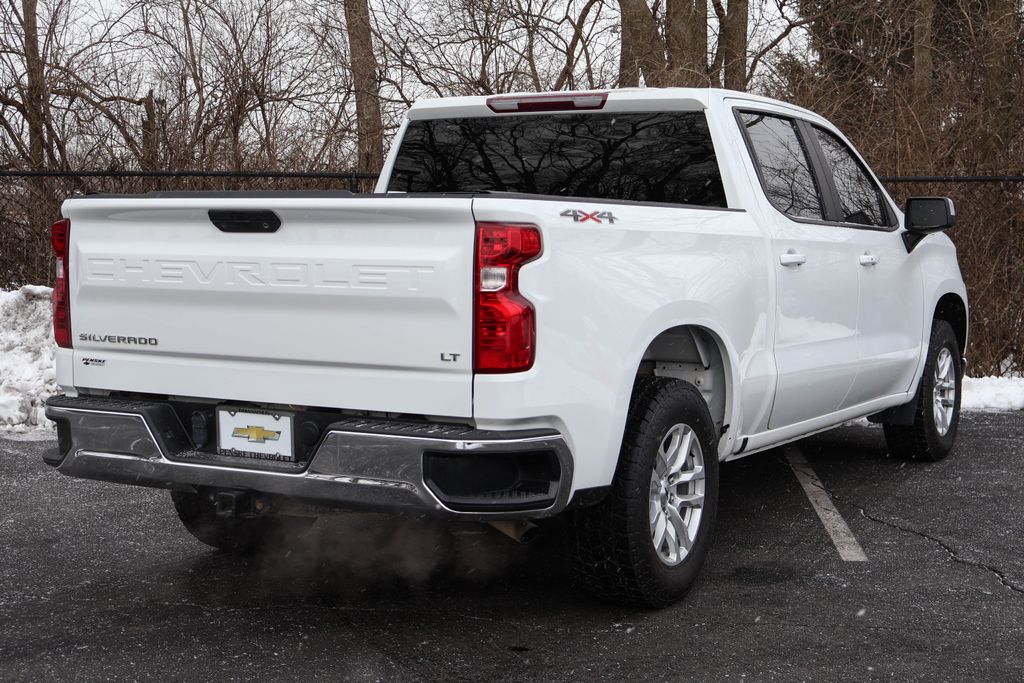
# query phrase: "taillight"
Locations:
[[505, 329], [60, 238]]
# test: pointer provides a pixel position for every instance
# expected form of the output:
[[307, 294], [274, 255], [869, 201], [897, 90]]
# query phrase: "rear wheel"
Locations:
[[645, 543], [937, 411], [235, 533]]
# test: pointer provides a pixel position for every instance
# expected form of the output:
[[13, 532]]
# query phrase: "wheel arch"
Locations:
[[950, 306], [699, 355], [953, 309]]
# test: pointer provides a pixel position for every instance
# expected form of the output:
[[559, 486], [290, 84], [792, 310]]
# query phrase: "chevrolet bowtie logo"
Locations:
[[255, 434]]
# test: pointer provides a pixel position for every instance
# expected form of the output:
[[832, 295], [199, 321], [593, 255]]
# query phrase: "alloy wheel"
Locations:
[[676, 494], [944, 391]]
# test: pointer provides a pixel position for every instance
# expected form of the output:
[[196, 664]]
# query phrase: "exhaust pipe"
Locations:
[[519, 530]]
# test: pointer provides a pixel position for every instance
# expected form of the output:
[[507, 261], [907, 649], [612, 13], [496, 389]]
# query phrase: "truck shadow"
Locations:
[[383, 562]]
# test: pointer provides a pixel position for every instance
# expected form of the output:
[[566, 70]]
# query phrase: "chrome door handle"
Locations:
[[791, 258], [868, 259]]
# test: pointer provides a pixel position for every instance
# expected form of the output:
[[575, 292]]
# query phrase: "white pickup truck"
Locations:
[[571, 304]]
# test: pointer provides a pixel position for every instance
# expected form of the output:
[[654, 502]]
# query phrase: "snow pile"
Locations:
[[27, 374], [993, 393]]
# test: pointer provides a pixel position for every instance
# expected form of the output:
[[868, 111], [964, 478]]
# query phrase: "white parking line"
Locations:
[[844, 540]]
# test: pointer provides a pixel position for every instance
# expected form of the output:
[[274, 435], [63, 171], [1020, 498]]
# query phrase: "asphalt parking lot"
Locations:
[[101, 581]]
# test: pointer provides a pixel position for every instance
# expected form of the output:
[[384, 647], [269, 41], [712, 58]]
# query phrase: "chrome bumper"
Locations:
[[358, 464]]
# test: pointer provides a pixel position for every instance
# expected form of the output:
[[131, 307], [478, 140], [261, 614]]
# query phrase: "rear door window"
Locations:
[[649, 157], [783, 164]]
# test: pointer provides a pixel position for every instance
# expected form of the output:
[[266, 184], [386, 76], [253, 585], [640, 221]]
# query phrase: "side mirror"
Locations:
[[925, 215], [930, 214]]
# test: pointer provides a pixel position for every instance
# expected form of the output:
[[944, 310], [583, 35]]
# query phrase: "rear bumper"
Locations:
[[358, 463]]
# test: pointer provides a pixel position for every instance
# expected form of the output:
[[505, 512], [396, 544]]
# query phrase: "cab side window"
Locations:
[[860, 200], [784, 165]]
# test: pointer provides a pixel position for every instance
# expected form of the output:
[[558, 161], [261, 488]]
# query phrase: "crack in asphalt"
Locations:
[[953, 553]]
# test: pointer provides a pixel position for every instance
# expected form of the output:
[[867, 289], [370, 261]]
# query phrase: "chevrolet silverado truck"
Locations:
[[570, 305]]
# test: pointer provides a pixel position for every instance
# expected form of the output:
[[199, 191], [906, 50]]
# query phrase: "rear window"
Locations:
[[649, 157]]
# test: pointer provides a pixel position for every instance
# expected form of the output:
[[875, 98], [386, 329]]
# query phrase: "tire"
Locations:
[[613, 542], [239, 535], [931, 437]]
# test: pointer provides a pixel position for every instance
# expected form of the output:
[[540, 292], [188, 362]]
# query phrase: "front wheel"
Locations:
[[937, 410], [645, 543]]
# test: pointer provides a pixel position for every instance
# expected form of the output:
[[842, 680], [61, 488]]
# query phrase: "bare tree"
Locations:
[[369, 127], [668, 44], [923, 64], [686, 38], [577, 43], [731, 55], [643, 48], [497, 46], [35, 94]]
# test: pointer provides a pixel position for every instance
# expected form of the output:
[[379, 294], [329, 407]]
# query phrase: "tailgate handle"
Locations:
[[244, 221]]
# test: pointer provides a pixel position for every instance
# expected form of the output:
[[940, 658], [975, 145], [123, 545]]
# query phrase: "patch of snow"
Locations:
[[27, 375], [993, 393]]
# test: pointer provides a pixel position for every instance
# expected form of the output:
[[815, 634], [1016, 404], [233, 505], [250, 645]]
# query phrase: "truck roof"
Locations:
[[614, 100]]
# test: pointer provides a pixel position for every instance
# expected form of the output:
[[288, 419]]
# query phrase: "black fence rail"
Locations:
[[357, 180], [989, 235], [957, 179]]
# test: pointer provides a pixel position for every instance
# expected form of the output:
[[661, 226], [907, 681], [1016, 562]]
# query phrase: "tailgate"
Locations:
[[360, 303]]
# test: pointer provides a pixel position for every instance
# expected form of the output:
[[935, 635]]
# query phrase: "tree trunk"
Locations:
[[150, 135], [35, 97], [629, 67], [150, 158], [733, 43], [643, 49], [1000, 118], [686, 37], [369, 127], [922, 76], [41, 202]]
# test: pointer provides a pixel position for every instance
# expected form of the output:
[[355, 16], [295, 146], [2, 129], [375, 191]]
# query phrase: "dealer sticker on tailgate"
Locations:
[[255, 434]]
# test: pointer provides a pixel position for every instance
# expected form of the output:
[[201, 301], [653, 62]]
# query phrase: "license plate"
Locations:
[[265, 435]]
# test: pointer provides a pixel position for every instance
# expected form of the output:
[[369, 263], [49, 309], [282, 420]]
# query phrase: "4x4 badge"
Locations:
[[578, 216]]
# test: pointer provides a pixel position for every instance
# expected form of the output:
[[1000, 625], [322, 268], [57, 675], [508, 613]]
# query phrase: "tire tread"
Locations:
[[916, 441], [604, 549]]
